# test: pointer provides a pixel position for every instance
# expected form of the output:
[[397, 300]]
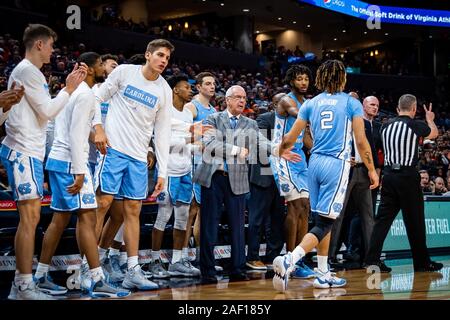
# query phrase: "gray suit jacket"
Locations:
[[218, 146]]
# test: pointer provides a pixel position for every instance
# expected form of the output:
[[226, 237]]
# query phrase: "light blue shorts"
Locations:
[[197, 190], [96, 175], [25, 174], [291, 179], [60, 179], [123, 176], [327, 181], [178, 189]]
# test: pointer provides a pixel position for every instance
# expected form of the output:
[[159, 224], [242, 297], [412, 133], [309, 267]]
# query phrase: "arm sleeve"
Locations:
[[109, 87], [179, 141], [38, 98], [163, 133], [79, 130], [97, 115], [420, 128]]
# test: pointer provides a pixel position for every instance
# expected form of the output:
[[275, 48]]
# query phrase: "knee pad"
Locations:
[[181, 216], [164, 214], [322, 227]]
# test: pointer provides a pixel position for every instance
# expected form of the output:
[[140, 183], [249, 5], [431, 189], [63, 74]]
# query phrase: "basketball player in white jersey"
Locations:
[[72, 187], [177, 195], [140, 105], [111, 263], [23, 149]]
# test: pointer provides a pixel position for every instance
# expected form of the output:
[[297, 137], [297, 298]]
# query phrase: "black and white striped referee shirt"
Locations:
[[400, 137]]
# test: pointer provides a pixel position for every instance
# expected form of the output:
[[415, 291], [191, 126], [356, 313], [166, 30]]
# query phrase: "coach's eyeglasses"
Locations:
[[239, 97]]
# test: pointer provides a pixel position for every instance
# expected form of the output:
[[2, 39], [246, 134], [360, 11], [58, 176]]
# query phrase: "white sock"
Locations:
[[101, 253], [84, 260], [322, 263], [132, 262], [123, 258], [23, 280], [156, 255], [97, 274], [113, 252], [176, 256], [297, 254], [185, 253], [42, 269]]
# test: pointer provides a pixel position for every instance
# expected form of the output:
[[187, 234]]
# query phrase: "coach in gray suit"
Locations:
[[223, 176]]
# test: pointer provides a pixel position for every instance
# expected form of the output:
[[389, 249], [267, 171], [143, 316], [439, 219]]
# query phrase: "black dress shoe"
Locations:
[[332, 261], [383, 268], [209, 280], [239, 277], [431, 267], [351, 257]]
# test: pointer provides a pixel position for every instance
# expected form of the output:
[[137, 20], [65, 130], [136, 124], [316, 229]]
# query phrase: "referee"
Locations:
[[401, 184]]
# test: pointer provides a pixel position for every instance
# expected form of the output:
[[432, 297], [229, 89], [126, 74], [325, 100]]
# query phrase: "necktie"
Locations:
[[233, 122]]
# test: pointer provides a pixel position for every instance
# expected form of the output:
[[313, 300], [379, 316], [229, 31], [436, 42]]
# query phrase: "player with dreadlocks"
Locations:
[[333, 116]]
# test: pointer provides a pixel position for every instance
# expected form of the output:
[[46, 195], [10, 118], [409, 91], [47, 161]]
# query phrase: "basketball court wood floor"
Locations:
[[401, 284]]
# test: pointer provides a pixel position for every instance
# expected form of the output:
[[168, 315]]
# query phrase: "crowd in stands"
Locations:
[[368, 62], [201, 32], [260, 88], [434, 163]]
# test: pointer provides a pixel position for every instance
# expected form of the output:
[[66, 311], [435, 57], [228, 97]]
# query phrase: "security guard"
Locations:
[[401, 184]]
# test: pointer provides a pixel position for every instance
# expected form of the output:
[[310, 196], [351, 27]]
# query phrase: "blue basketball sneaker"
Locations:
[[105, 289], [302, 271], [46, 285], [328, 279], [282, 267]]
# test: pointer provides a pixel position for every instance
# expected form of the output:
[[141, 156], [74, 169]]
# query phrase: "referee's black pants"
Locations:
[[400, 191]]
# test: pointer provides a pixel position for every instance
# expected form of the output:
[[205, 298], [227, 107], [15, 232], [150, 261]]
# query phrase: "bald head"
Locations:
[[354, 95], [276, 98], [370, 106]]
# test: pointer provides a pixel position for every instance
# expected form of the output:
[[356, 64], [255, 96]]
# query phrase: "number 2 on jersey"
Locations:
[[327, 119]]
